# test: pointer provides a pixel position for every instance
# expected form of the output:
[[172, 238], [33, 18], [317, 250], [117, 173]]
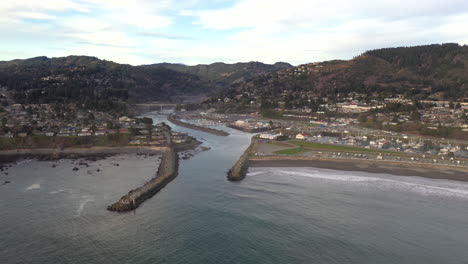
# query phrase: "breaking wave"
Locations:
[[87, 199], [34, 187], [60, 191], [422, 186]]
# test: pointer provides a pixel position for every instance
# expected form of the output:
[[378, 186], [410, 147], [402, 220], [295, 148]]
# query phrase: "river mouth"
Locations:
[[274, 215]]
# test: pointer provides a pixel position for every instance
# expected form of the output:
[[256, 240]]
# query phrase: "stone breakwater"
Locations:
[[167, 171], [173, 119], [239, 170]]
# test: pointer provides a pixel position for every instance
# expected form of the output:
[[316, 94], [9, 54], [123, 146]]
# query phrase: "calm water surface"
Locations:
[[280, 215]]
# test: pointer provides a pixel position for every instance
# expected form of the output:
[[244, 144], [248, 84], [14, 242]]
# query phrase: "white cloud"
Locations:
[[140, 13], [90, 24], [297, 31], [259, 13], [271, 30], [33, 15], [17, 9]]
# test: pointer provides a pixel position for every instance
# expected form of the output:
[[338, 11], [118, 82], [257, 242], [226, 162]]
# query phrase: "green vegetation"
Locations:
[[413, 127], [442, 131], [377, 74], [281, 144], [292, 151], [312, 125], [145, 120], [329, 147], [268, 113]]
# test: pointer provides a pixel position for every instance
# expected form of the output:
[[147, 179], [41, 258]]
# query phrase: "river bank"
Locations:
[[371, 166], [172, 118]]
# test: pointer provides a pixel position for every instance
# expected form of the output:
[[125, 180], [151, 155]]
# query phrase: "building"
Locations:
[[269, 136], [301, 136]]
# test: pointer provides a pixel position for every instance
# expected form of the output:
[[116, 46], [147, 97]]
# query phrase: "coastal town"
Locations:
[[47, 122], [427, 129], [341, 131], [320, 128], [389, 112], [393, 130], [234, 132]]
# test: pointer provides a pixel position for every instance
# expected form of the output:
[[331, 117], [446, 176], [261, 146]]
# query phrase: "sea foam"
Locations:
[[86, 199], [34, 187], [420, 185]]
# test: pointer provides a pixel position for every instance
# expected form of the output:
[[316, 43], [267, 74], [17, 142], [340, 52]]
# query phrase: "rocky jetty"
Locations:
[[239, 170], [167, 171], [173, 119]]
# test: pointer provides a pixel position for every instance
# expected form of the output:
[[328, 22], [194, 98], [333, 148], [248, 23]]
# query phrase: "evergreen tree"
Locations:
[[415, 116]]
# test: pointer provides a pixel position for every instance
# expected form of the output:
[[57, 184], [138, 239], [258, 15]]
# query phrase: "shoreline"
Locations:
[[7, 156], [84, 150], [371, 166], [44, 154]]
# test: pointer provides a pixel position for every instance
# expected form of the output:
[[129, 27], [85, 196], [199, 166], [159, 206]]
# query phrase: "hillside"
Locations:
[[423, 72], [226, 74], [94, 83]]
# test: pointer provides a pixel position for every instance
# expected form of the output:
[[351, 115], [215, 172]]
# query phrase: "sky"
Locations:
[[206, 31]]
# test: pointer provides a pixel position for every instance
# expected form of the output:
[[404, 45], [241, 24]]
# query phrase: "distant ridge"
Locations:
[[95, 83], [224, 73], [429, 71]]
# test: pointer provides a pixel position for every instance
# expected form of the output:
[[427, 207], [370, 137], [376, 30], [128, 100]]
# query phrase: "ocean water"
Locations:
[[276, 215]]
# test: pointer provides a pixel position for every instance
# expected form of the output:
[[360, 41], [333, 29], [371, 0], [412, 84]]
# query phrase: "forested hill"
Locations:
[[93, 82], [225, 74], [432, 71]]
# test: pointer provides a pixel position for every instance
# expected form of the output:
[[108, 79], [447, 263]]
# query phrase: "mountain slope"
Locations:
[[422, 72], [226, 74], [94, 82]]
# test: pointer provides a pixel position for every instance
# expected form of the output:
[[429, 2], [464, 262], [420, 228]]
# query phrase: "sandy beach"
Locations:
[[372, 166]]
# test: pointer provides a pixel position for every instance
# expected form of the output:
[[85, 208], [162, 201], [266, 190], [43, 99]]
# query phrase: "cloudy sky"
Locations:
[[206, 31]]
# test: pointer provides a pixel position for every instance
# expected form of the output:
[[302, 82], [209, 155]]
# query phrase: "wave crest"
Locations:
[[422, 186]]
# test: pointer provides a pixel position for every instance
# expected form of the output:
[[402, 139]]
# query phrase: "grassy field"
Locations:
[[281, 144], [291, 151], [328, 147], [312, 125]]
